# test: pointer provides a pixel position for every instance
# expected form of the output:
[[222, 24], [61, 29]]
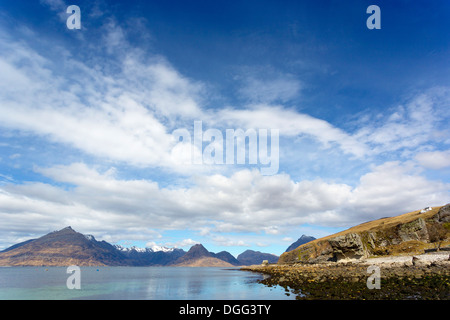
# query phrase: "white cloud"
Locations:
[[434, 159], [408, 127], [118, 117], [182, 244], [291, 124], [393, 188], [229, 241]]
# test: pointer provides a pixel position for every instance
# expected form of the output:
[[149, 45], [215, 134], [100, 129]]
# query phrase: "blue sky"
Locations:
[[87, 118]]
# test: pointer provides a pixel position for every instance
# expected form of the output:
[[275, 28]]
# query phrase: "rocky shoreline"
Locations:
[[425, 276]]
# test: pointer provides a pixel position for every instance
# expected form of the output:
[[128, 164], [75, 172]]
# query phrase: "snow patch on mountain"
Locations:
[[90, 237], [154, 248]]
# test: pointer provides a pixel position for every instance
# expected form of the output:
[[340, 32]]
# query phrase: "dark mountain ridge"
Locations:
[[302, 240], [250, 257], [196, 253], [198, 256], [228, 257]]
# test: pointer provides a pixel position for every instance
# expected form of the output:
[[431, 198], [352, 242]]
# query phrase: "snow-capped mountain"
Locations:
[[154, 248], [155, 255]]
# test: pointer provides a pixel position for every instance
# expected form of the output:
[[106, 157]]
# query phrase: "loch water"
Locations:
[[136, 283]]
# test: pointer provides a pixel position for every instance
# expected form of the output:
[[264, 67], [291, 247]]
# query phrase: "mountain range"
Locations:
[[69, 247], [198, 256]]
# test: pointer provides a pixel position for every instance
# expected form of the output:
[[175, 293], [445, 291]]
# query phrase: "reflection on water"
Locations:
[[136, 283]]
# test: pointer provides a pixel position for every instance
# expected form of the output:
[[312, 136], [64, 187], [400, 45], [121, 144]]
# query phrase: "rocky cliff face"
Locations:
[[401, 234]]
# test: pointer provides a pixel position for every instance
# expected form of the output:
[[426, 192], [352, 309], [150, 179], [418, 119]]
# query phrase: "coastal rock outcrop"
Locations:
[[348, 246]]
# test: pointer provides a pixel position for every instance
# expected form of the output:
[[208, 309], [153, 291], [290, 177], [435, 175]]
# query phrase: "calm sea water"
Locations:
[[136, 283]]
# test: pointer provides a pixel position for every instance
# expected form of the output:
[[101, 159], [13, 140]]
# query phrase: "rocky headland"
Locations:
[[410, 252]]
